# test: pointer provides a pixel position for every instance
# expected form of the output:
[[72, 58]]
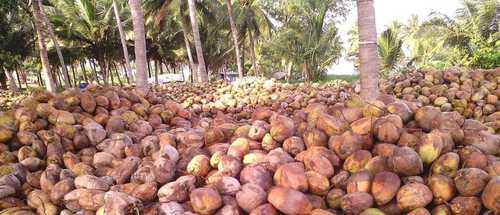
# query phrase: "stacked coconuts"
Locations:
[[474, 94], [116, 151], [245, 95], [9, 98]]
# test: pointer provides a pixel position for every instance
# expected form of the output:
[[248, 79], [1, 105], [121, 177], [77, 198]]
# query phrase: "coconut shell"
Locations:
[[289, 201], [384, 187], [355, 203], [413, 195], [442, 187], [471, 181], [465, 205]]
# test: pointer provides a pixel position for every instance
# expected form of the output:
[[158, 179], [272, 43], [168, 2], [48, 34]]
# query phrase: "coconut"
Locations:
[[442, 187], [384, 187], [413, 195], [465, 205], [289, 201], [355, 203], [405, 161], [471, 181]]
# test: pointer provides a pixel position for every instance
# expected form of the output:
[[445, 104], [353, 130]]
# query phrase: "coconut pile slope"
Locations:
[[245, 95], [115, 151], [474, 94]]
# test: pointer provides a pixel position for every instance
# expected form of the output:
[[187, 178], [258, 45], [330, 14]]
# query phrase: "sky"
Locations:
[[387, 11]]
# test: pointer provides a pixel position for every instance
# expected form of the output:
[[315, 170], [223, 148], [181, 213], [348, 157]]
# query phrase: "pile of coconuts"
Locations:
[[118, 151], [243, 96], [9, 98], [474, 94]]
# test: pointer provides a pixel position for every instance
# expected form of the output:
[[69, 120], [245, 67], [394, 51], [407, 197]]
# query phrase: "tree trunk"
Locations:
[[369, 64], [48, 26], [12, 83], [39, 77], [156, 72], [202, 69], [128, 69], [57, 77], [140, 45], [25, 79], [126, 74], [185, 32], [234, 33], [149, 68], [111, 76], [74, 74], [118, 74], [252, 52], [18, 77], [104, 72], [94, 68], [82, 65], [289, 71], [46, 70]]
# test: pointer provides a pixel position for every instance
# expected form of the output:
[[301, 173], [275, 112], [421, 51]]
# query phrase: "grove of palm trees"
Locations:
[[233, 107]]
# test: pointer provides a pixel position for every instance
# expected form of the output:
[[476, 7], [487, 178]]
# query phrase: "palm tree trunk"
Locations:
[[94, 68], [18, 77], [126, 75], [185, 32], [289, 71], [128, 69], [72, 66], [12, 83], [104, 72], [149, 68], [369, 64], [117, 71], [140, 45], [252, 52], [111, 76], [234, 33], [156, 71], [46, 70], [53, 38], [202, 69], [82, 66]]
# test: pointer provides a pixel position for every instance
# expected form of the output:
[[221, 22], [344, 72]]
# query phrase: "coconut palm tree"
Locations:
[[140, 45], [48, 26], [202, 71], [177, 10], [390, 49], [123, 42], [368, 58], [89, 26], [234, 33], [46, 74]]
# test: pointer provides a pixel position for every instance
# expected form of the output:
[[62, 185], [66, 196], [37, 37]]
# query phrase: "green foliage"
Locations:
[[439, 42], [471, 39], [15, 34], [389, 49], [306, 39]]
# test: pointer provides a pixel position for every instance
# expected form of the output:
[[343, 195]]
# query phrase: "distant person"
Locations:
[[83, 85]]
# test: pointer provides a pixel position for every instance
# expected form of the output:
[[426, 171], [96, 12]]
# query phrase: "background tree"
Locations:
[[140, 45], [368, 57], [306, 41], [123, 41], [46, 69], [390, 49], [202, 72], [234, 33]]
